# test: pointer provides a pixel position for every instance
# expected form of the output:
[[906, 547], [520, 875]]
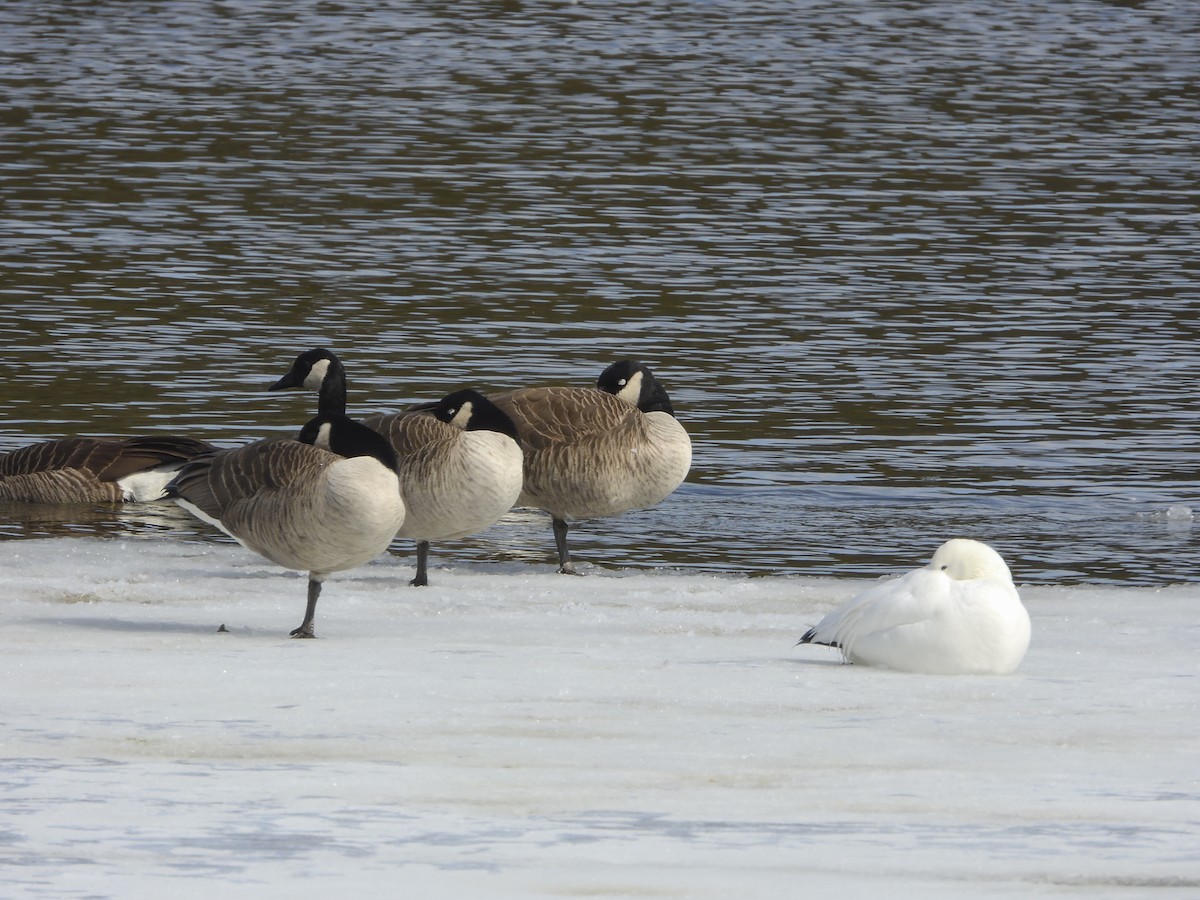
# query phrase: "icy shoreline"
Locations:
[[508, 732]]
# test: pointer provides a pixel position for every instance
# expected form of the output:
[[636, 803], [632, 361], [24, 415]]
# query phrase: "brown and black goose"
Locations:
[[326, 502], [95, 470], [591, 453], [458, 459]]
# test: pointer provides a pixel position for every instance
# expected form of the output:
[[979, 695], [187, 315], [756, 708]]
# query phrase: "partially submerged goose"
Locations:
[[598, 452], [95, 470], [323, 503], [458, 459], [959, 614]]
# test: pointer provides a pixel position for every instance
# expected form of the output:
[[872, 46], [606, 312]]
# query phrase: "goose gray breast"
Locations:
[[456, 478]]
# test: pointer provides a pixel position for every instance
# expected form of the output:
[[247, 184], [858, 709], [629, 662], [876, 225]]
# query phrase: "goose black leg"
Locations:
[[565, 566], [422, 578], [306, 627]]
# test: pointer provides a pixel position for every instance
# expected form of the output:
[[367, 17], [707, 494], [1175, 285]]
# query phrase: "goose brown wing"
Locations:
[[411, 432], [108, 458], [549, 416], [61, 471], [94, 454], [60, 486], [219, 483], [139, 453]]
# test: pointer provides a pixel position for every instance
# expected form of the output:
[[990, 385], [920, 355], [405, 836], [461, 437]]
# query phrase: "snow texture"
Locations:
[[512, 733]]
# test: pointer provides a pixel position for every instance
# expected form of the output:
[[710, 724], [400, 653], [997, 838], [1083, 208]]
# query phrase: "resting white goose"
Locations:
[[958, 615], [95, 470], [591, 453], [458, 459], [324, 503]]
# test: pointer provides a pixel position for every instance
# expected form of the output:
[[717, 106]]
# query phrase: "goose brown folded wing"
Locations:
[[215, 482], [546, 416]]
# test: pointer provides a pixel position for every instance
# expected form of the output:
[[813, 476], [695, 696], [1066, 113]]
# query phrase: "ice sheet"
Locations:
[[510, 732]]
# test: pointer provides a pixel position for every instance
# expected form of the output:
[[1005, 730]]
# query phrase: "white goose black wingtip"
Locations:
[[958, 614]]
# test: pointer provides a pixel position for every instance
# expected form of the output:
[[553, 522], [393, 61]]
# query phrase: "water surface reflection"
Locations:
[[908, 271]]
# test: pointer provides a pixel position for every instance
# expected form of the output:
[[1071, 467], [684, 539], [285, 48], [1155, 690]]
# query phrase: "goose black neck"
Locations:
[[484, 415], [487, 416], [656, 400], [331, 398], [342, 435]]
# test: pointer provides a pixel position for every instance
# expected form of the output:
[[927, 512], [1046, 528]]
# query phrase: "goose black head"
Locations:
[[634, 383], [471, 411], [318, 370], [340, 434]]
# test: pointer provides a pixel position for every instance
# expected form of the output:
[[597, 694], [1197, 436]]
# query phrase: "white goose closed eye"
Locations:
[[959, 614]]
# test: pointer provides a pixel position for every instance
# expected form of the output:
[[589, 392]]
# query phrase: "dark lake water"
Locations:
[[908, 270]]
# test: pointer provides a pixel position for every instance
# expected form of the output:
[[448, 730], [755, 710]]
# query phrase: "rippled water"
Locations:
[[908, 270]]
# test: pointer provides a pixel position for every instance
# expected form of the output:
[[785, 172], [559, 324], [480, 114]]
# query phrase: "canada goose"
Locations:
[[323, 503], [591, 453], [959, 614], [459, 460], [95, 470]]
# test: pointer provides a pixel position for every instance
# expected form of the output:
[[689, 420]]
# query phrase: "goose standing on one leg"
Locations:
[[95, 470], [326, 502], [458, 459], [959, 614], [460, 468], [592, 453]]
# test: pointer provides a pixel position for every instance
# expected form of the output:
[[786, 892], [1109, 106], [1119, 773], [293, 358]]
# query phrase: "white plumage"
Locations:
[[958, 615], [459, 465]]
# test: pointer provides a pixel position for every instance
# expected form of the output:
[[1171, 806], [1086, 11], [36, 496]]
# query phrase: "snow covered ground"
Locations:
[[512, 733]]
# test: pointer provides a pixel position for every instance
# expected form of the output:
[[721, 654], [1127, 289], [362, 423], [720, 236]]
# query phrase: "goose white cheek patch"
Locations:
[[316, 375], [323, 433], [462, 418], [632, 392]]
